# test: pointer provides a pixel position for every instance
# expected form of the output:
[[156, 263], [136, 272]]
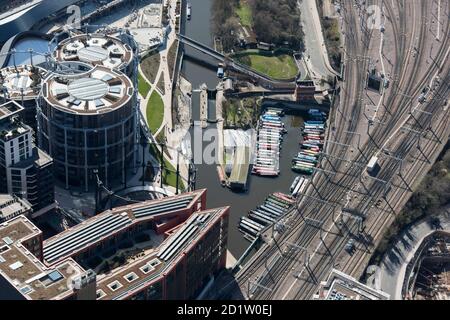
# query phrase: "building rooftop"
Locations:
[[100, 90], [47, 270], [10, 127], [239, 173], [11, 206], [96, 49], [152, 263], [96, 229], [22, 80], [25, 271], [9, 109], [341, 286], [39, 158], [42, 158]]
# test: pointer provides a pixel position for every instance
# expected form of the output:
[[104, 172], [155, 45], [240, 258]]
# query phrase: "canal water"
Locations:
[[199, 28]]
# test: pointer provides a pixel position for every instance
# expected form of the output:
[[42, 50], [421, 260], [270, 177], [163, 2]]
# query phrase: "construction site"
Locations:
[[430, 276]]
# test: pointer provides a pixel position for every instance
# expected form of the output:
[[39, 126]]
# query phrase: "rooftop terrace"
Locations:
[[25, 271], [8, 109], [341, 286], [23, 80], [11, 206], [99, 91], [10, 127], [109, 223], [97, 49]]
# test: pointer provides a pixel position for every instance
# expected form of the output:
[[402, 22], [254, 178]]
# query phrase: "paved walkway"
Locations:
[[393, 266], [172, 140]]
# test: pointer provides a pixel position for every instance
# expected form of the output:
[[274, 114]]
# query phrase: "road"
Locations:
[[314, 41], [393, 265]]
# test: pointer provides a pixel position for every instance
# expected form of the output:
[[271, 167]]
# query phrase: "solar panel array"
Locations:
[[86, 235], [182, 236], [163, 206]]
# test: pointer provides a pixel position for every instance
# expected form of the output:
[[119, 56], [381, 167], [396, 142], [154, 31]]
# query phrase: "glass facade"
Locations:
[[80, 143]]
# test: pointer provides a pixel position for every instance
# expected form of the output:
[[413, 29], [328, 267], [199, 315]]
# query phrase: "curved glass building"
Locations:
[[89, 121], [98, 49]]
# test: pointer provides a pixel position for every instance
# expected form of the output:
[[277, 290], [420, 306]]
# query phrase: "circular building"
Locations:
[[99, 50], [88, 122], [22, 84]]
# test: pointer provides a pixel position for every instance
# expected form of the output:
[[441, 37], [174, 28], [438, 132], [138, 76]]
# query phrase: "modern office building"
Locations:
[[12, 206], [25, 170], [89, 122], [161, 249], [340, 286], [22, 84], [98, 49]]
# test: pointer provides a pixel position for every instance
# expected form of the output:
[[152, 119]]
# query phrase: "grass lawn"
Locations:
[[277, 67], [155, 112], [144, 86], [245, 14]]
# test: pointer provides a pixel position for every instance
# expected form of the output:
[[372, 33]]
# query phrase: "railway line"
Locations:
[[303, 234], [385, 217], [405, 146], [306, 232]]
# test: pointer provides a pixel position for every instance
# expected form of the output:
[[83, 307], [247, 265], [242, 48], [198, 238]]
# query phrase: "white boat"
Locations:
[[188, 12]]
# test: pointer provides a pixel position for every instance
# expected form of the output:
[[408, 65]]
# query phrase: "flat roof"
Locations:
[[239, 173], [97, 49], [152, 264], [10, 129], [97, 91], [24, 270], [18, 228], [94, 230], [10, 205], [22, 80], [39, 158], [341, 286], [9, 109]]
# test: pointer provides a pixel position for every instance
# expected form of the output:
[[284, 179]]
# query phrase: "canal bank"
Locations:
[[259, 188]]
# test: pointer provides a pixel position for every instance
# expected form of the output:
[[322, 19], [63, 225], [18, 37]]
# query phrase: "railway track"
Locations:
[[307, 233], [303, 234], [406, 145], [384, 218]]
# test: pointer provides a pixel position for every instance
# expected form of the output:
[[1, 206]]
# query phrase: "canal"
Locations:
[[199, 28]]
